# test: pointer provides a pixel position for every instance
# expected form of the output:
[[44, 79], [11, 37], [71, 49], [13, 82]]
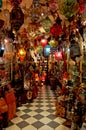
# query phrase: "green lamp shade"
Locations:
[[0, 3]]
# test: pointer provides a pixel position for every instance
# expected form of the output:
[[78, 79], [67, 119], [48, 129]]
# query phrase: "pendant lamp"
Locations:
[[1, 3]]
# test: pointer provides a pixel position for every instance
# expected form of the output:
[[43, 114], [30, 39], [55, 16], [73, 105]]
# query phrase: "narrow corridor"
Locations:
[[39, 114]]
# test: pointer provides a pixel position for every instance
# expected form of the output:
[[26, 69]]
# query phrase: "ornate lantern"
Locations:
[[1, 3], [22, 53], [16, 18], [47, 50], [58, 55], [43, 42]]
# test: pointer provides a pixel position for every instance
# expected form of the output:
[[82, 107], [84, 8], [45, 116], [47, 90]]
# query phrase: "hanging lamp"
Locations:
[[1, 3]]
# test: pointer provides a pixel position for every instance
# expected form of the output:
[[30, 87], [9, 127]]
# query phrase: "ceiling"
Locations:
[[25, 6]]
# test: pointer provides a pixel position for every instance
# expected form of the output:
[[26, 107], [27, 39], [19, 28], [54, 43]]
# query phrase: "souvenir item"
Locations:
[[15, 2], [74, 49], [68, 8], [46, 24], [53, 5], [3, 105], [52, 43], [81, 6], [11, 102], [60, 110], [1, 3], [29, 94], [56, 30], [16, 18], [43, 42]]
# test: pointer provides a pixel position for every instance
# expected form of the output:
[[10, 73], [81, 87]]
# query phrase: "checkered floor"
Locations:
[[39, 114]]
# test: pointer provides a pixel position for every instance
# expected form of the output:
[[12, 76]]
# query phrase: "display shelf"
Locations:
[[5, 73], [84, 67]]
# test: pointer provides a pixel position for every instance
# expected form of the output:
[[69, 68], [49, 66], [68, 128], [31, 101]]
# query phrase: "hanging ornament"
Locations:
[[46, 24], [53, 5], [74, 49], [22, 53], [15, 2], [24, 34], [68, 8], [58, 55], [16, 18], [56, 30], [81, 6], [47, 49], [1, 3], [52, 43], [81, 9], [43, 42], [39, 49]]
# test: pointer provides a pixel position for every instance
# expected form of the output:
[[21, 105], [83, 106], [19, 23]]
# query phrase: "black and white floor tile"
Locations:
[[39, 114]]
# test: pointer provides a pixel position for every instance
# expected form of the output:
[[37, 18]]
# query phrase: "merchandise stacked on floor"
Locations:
[[72, 97], [7, 104]]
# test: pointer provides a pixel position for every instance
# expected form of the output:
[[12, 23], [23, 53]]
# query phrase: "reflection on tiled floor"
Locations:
[[38, 115]]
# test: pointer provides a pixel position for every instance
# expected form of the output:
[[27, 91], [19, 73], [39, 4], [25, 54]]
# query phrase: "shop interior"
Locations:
[[43, 64]]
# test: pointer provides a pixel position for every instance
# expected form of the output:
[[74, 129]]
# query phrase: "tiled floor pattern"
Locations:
[[38, 115]]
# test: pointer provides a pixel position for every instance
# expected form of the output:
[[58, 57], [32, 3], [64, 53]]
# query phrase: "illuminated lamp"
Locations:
[[43, 42], [22, 53], [47, 50], [1, 3], [1, 51], [58, 55], [52, 43]]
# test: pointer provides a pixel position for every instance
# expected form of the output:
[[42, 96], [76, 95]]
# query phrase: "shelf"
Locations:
[[5, 73]]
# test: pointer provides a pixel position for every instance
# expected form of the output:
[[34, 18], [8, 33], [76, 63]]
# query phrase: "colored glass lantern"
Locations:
[[52, 43], [56, 30], [58, 55], [22, 53], [1, 3], [39, 49], [47, 50], [46, 24], [16, 18], [43, 42]]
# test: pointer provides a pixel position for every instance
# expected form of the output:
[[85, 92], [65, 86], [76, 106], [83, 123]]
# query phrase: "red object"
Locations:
[[11, 102], [43, 42], [58, 55], [81, 9], [1, 118], [8, 95], [35, 92], [56, 30], [81, 6], [64, 29], [15, 2]]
